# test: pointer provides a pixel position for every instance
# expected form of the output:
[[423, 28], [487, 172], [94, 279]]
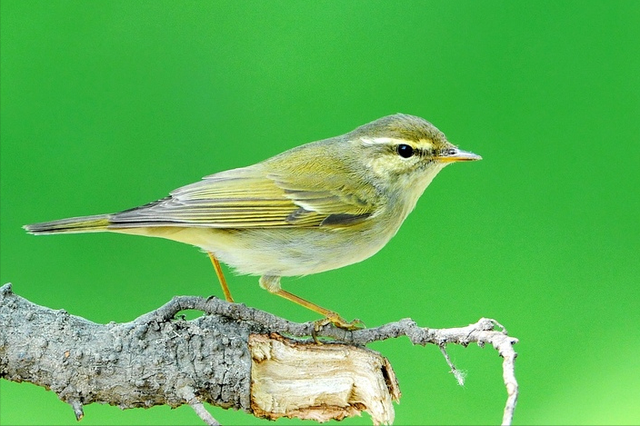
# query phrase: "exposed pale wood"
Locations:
[[319, 382]]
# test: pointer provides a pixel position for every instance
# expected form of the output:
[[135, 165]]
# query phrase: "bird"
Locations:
[[313, 208]]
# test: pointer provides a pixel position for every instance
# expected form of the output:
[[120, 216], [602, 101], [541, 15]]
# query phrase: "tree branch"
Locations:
[[231, 358]]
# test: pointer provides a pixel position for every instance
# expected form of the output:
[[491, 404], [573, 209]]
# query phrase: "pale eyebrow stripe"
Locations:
[[382, 141]]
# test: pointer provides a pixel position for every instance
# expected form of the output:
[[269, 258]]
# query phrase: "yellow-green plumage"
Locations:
[[316, 207]]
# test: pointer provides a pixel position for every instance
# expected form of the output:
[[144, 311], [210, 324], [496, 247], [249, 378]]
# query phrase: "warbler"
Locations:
[[313, 208]]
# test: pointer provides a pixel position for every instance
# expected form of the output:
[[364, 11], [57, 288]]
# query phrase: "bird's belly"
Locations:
[[286, 252], [296, 252]]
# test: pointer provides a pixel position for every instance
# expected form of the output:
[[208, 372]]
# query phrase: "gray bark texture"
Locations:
[[159, 359], [154, 360]]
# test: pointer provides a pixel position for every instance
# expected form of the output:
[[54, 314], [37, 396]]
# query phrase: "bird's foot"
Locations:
[[339, 322]]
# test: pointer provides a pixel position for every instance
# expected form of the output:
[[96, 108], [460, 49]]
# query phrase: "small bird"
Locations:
[[313, 208]]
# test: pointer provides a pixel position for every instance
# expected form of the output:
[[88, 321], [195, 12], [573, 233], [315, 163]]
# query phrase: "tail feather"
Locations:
[[95, 223]]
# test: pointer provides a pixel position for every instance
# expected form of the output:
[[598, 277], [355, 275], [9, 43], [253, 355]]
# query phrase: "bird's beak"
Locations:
[[455, 154]]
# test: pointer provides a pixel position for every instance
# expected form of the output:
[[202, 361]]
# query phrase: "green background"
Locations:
[[109, 105]]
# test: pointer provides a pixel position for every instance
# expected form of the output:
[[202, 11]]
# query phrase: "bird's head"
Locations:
[[401, 154], [406, 148]]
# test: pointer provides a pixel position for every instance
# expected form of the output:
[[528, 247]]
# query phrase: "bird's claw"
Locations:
[[339, 322]]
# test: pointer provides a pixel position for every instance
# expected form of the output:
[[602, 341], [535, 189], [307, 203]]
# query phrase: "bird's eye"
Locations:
[[405, 151]]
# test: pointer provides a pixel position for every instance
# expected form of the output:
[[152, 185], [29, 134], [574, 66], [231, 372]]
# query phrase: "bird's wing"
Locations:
[[251, 198]]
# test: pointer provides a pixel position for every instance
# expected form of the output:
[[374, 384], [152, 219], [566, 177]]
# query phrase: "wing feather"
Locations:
[[250, 198]]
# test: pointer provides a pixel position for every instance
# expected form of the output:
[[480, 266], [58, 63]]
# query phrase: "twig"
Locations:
[[459, 375], [197, 405]]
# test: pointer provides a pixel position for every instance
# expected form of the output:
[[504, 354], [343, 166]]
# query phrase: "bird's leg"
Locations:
[[223, 282], [272, 285]]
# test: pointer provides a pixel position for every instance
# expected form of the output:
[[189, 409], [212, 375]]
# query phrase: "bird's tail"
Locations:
[[97, 223]]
